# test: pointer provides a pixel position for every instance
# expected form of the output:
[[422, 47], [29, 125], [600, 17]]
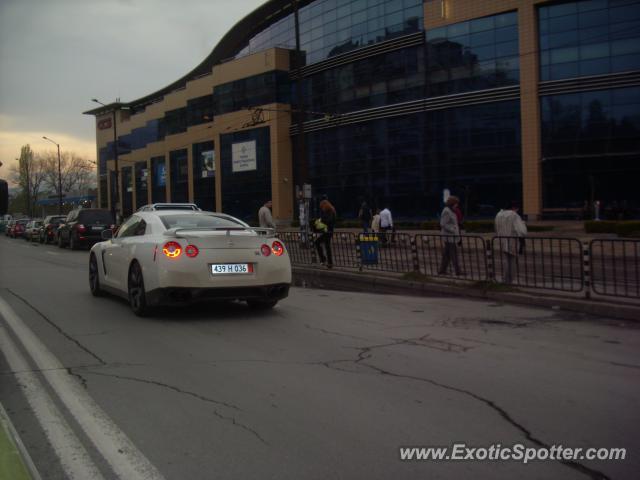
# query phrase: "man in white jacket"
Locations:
[[509, 225]]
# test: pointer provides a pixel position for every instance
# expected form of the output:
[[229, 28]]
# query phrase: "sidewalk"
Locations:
[[398, 284], [15, 463]]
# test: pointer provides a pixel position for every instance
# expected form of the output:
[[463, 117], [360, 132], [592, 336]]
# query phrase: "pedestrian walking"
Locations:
[[451, 233], [325, 225], [386, 226], [375, 222], [264, 215], [512, 230], [365, 216]]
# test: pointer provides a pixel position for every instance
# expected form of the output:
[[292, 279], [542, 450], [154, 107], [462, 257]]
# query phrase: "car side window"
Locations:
[[128, 228], [140, 228]]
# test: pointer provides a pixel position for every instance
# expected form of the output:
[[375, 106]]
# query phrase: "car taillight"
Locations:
[[172, 249], [81, 227], [191, 251], [277, 248], [265, 250]]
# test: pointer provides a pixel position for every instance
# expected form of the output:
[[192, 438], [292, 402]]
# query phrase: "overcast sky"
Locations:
[[56, 55]]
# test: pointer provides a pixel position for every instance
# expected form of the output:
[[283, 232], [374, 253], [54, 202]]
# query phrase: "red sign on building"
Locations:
[[104, 124]]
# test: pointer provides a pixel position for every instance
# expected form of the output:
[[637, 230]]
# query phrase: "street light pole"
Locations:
[[114, 210], [59, 177]]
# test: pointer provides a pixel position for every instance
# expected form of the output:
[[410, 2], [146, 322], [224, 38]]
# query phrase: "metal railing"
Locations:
[[604, 267], [539, 262], [467, 250], [615, 267]]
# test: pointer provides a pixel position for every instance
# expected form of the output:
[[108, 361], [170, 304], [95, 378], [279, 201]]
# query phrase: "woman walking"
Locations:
[[323, 242]]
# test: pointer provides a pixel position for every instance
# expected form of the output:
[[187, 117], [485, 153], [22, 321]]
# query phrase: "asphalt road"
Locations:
[[329, 385]]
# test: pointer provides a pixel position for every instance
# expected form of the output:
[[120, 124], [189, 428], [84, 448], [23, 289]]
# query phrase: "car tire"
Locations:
[[261, 304], [137, 294], [94, 277], [72, 242]]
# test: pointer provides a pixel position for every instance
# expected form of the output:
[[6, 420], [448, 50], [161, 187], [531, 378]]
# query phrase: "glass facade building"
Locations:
[[395, 102]]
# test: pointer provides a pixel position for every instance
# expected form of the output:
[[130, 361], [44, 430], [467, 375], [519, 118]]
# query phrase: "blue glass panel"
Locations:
[[598, 66]]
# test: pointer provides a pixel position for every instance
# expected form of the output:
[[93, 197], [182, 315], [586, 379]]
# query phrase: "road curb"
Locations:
[[14, 437], [367, 282]]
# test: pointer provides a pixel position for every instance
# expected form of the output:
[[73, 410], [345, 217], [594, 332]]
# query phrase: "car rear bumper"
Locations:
[[178, 295]]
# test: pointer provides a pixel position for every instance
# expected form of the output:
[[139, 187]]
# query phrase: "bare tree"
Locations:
[[29, 175], [77, 173]]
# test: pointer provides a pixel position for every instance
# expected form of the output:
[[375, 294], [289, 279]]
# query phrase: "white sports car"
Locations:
[[177, 256]]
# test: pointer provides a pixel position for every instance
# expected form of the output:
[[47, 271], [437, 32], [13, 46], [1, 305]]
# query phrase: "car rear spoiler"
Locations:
[[176, 232]]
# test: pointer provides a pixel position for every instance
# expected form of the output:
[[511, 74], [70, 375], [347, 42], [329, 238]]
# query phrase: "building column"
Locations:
[[530, 111], [282, 187]]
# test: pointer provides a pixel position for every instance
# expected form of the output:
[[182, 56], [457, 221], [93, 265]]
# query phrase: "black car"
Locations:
[[49, 228], [84, 227]]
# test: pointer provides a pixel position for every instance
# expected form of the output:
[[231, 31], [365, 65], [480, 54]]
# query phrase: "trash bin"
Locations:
[[368, 249]]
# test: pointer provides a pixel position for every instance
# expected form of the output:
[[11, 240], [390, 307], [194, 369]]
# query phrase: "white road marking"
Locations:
[[52, 253], [74, 459], [122, 455]]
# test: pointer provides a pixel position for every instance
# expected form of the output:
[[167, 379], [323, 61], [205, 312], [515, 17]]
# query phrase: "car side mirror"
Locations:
[[106, 234]]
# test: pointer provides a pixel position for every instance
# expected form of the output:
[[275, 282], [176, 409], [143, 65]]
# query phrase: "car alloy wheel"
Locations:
[[137, 296], [94, 276]]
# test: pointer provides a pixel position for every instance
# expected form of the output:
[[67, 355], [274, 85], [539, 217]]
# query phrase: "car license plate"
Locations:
[[97, 229], [231, 268]]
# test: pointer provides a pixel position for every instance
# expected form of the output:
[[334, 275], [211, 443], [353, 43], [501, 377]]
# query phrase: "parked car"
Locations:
[[49, 228], [18, 228], [32, 230], [178, 256], [83, 227]]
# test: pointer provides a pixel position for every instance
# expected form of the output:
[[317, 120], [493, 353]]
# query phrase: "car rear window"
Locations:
[[95, 216], [57, 221], [22, 222], [199, 221]]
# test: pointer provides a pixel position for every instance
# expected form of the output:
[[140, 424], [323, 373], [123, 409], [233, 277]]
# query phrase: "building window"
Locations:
[[179, 175], [246, 183], [591, 148], [141, 174], [204, 179], [407, 161], [586, 38], [329, 27], [158, 180], [393, 77], [473, 55], [269, 87]]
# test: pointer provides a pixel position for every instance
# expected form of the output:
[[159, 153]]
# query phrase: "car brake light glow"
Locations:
[[172, 249], [191, 251], [277, 248], [265, 250], [81, 227]]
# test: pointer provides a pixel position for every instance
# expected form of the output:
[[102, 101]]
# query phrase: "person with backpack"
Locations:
[[325, 225]]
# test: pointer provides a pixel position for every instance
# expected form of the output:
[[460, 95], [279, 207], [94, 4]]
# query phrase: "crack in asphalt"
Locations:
[[365, 354], [232, 419], [329, 332], [57, 327]]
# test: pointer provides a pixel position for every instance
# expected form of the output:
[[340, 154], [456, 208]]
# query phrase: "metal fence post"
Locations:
[[358, 251], [414, 253], [586, 269], [491, 270]]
